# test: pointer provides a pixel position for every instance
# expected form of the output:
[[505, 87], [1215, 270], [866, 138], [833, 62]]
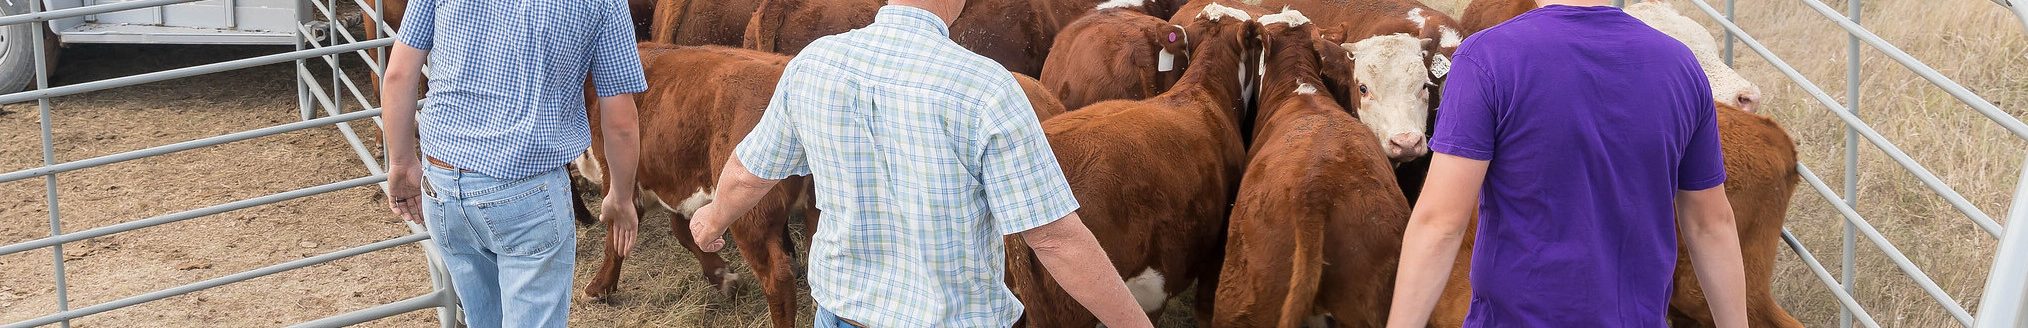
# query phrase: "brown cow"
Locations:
[[701, 101], [1392, 84], [1046, 104], [700, 22], [1015, 33], [1315, 233], [1759, 163], [1155, 178], [1115, 53]]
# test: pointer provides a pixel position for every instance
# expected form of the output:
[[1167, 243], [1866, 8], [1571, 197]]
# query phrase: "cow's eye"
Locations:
[[1362, 89]]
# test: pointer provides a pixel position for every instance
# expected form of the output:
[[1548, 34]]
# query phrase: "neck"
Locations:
[[1577, 3], [1293, 68], [1215, 71], [947, 10]]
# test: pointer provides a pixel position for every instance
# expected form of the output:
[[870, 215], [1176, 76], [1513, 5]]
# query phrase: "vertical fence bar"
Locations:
[[331, 39], [1728, 33], [2006, 297], [302, 91], [1848, 274], [48, 157]]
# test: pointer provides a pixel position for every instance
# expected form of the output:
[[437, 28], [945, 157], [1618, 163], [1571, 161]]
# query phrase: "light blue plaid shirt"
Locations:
[[507, 78], [924, 155]]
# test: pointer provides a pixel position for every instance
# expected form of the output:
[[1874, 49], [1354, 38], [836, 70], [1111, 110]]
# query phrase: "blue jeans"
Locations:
[[826, 319], [508, 244]]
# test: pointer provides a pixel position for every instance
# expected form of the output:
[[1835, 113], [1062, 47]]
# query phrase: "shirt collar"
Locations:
[[912, 17]]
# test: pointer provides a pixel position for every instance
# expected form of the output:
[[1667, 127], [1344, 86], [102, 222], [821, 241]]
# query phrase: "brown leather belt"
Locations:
[[440, 163]]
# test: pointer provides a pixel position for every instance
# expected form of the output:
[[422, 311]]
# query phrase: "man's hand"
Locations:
[[706, 229], [404, 192], [621, 222]]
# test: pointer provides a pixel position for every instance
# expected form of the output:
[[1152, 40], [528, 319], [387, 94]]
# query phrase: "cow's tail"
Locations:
[[668, 18], [1307, 266], [765, 26]]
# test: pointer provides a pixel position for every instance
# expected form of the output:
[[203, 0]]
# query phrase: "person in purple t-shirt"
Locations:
[[1583, 138]]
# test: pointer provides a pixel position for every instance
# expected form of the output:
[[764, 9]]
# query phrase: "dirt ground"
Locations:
[[1972, 41]]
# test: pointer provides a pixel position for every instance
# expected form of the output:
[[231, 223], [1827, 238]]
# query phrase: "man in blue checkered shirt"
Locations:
[[924, 155], [505, 112]]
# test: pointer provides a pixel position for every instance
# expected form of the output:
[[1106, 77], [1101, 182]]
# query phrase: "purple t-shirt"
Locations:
[[1591, 121]]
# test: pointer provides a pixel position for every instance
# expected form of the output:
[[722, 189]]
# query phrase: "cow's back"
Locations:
[[699, 102], [1113, 54], [1317, 191]]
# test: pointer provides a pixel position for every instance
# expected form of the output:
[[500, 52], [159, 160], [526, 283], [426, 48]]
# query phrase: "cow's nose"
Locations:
[[1403, 147], [1748, 99]]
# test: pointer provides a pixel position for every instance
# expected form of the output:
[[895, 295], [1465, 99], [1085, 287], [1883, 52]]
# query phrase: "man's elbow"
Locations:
[[395, 77]]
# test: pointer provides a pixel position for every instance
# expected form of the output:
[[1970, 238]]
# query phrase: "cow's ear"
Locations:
[[1333, 34]]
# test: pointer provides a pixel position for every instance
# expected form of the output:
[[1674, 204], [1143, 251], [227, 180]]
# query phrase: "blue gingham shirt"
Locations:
[[507, 78], [924, 155]]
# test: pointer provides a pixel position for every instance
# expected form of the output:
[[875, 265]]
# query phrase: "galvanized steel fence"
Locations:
[[2003, 304], [326, 42]]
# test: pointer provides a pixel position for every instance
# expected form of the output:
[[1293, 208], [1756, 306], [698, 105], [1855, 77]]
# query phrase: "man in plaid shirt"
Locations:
[[925, 155]]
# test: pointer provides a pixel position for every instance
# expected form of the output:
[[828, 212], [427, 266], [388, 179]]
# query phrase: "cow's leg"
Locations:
[[608, 278], [709, 264], [579, 188], [756, 235]]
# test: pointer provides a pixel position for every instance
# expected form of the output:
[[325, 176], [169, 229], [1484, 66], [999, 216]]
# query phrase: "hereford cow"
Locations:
[[1115, 53], [1759, 161], [1155, 178], [701, 101], [1314, 236], [1015, 33]]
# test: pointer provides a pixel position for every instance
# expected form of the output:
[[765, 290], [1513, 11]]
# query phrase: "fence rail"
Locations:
[[2002, 305], [327, 46]]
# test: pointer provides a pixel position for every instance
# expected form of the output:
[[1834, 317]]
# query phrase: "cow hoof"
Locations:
[[724, 279], [598, 293]]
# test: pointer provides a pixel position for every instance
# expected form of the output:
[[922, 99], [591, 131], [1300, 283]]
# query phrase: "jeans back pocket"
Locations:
[[522, 224]]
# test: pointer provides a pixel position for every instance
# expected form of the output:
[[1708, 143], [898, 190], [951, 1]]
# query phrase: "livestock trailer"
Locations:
[[223, 22]]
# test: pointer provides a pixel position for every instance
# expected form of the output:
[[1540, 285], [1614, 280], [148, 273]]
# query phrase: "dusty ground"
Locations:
[[1975, 42]]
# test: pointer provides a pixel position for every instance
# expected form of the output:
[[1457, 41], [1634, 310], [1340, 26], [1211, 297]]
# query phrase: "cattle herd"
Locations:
[[1266, 152]]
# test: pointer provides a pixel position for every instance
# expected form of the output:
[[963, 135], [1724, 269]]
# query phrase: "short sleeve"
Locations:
[[1467, 123], [772, 150], [1024, 186], [1703, 164], [418, 24], [616, 64]]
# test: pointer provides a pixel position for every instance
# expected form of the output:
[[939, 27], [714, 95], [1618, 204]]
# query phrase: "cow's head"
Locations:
[[1226, 31], [1288, 38], [1727, 86], [1391, 84]]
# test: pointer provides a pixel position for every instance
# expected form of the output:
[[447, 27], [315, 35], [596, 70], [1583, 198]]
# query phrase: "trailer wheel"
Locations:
[[17, 49]]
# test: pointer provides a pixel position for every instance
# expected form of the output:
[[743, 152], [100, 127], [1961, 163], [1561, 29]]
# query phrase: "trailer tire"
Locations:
[[17, 50]]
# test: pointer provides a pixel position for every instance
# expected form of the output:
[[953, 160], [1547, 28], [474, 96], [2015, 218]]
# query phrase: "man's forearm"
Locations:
[[1073, 257], [622, 144], [1713, 244], [398, 106], [737, 191], [1427, 253]]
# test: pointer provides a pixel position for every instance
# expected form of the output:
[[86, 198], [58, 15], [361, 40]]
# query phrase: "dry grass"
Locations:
[[1977, 43]]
